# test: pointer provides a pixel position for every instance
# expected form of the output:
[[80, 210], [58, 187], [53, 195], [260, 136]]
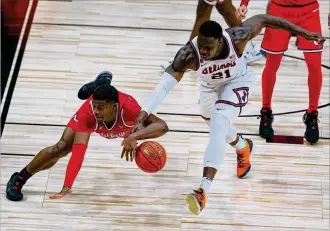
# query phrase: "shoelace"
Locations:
[[198, 195], [18, 186], [267, 120], [312, 119], [240, 161]]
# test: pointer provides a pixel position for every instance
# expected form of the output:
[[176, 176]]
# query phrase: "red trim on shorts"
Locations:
[[311, 50], [274, 52], [205, 118], [210, 1], [240, 104], [234, 45]]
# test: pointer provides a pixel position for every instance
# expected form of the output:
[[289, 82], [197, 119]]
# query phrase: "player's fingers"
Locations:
[[56, 196], [237, 14], [127, 155], [131, 155], [122, 153], [134, 153]]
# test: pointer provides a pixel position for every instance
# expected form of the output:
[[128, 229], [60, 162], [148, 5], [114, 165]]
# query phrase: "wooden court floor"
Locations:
[[69, 43]]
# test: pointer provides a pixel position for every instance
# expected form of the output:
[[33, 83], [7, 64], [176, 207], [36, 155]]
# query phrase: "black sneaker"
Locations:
[[265, 128], [87, 90], [13, 190], [312, 128]]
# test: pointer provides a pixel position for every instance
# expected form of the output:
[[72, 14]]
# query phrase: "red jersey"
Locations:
[[293, 2], [85, 121], [289, 3]]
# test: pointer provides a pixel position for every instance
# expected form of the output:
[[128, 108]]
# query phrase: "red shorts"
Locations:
[[308, 17]]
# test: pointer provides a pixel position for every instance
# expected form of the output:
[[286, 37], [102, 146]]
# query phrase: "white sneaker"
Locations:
[[252, 52], [165, 65]]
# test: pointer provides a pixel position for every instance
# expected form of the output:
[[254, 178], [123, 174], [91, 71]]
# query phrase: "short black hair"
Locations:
[[106, 92], [211, 29]]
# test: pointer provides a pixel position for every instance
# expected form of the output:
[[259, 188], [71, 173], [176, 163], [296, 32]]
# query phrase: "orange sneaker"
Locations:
[[243, 160], [196, 201]]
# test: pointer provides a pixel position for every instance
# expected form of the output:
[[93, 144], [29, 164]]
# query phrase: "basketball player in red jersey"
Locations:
[[225, 85], [108, 112], [304, 13]]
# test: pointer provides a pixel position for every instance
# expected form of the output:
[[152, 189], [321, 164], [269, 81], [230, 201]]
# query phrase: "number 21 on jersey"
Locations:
[[221, 74]]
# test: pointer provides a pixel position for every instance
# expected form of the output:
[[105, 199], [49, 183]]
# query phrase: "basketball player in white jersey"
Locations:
[[225, 84]]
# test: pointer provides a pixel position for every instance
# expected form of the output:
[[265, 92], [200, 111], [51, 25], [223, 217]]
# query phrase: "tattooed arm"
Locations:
[[252, 27], [185, 59]]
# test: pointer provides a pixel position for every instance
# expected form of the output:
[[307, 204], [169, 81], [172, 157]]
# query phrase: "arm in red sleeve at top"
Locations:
[[244, 3]]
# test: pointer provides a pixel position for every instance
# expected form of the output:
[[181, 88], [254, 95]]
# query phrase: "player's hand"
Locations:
[[129, 149], [65, 191], [139, 122], [241, 12], [312, 36]]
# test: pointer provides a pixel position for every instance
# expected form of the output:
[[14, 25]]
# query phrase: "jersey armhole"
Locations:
[[122, 119], [234, 44]]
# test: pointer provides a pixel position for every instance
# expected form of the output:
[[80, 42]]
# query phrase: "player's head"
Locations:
[[209, 39], [105, 102]]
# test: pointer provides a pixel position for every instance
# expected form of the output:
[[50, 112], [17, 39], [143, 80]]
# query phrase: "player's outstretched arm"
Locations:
[[252, 27], [154, 127], [78, 152], [185, 59]]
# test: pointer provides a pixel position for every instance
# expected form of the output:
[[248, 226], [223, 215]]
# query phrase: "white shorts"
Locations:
[[228, 98], [213, 2]]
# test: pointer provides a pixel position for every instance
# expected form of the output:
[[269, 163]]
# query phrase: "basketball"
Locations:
[[150, 156]]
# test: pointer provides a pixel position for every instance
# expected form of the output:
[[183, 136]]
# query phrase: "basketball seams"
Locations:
[[142, 168], [149, 156], [155, 151]]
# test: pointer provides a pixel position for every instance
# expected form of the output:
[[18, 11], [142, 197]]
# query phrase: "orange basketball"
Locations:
[[150, 156]]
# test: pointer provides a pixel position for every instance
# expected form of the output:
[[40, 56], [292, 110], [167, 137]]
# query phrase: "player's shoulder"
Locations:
[[129, 110], [185, 58], [127, 102], [85, 116]]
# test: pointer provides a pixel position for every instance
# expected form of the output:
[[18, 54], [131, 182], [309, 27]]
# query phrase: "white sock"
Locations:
[[205, 184], [240, 144]]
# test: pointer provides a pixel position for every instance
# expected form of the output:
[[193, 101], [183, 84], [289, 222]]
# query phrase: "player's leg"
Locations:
[[231, 98], [309, 19], [227, 10], [45, 159], [203, 13], [87, 90], [274, 43]]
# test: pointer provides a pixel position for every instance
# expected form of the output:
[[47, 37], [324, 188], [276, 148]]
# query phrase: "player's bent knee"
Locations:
[[61, 149]]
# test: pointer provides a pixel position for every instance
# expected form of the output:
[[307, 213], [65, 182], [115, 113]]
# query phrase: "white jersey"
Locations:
[[213, 73]]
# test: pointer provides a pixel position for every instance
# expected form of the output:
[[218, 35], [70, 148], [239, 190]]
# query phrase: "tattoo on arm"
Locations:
[[185, 59], [252, 27]]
